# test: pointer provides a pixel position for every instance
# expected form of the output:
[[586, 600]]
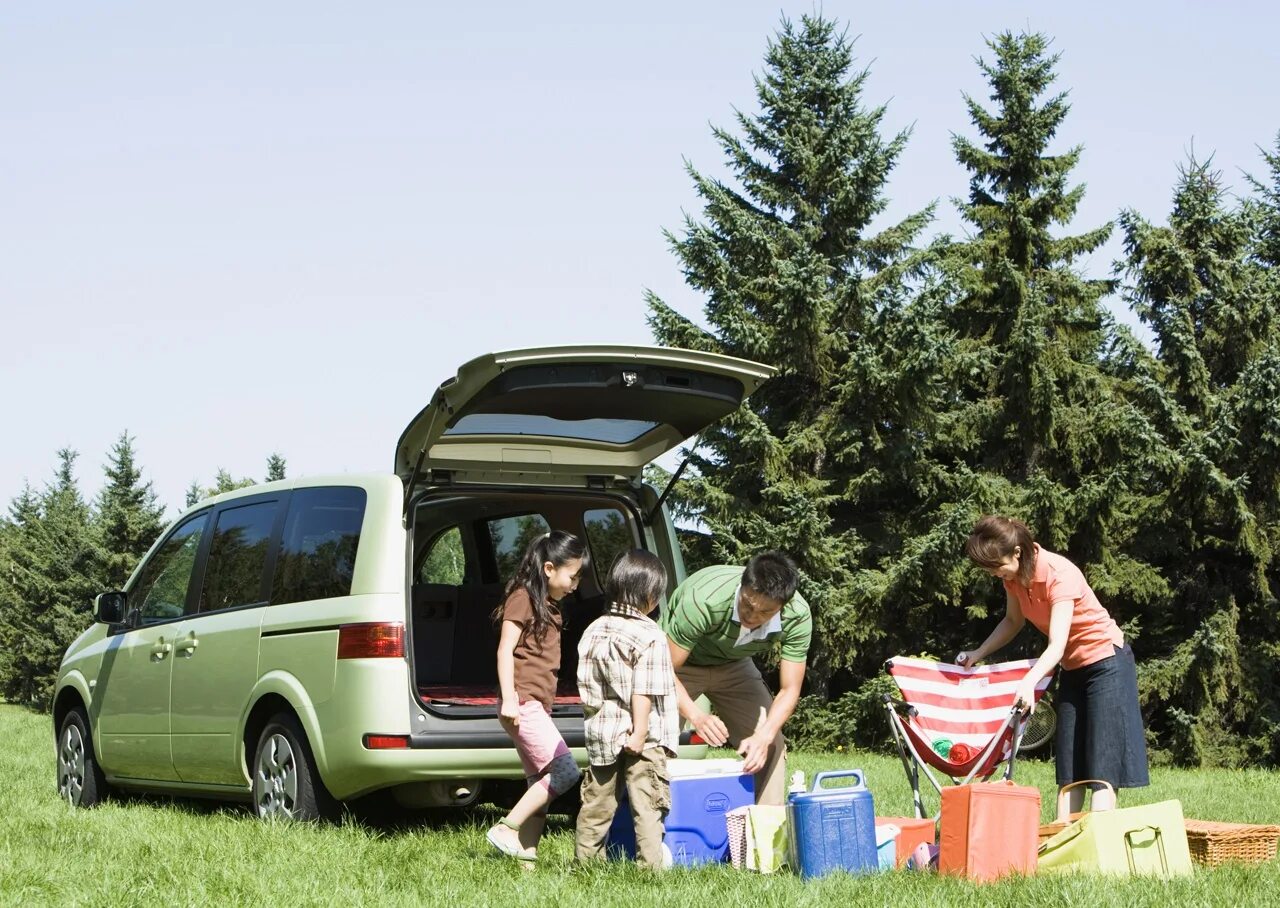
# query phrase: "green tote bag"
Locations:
[[1149, 840], [766, 838]]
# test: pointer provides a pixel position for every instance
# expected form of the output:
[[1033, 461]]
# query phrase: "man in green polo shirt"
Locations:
[[715, 622]]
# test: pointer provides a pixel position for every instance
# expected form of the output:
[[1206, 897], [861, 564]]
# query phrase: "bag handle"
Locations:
[[1064, 811], [840, 774], [1128, 848]]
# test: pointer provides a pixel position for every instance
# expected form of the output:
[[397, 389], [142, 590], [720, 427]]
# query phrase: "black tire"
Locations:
[[285, 783], [1040, 727], [80, 779]]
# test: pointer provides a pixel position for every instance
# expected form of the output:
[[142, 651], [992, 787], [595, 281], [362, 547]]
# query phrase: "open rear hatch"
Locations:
[[562, 414], [554, 417]]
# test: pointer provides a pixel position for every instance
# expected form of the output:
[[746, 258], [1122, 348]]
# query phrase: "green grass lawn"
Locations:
[[156, 850]]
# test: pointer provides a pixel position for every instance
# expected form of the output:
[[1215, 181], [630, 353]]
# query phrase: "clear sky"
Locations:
[[239, 228]]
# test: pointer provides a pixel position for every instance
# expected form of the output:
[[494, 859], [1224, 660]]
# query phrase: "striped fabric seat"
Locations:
[[961, 705], [958, 720]]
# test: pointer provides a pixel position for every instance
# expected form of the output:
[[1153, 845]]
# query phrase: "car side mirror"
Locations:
[[109, 608]]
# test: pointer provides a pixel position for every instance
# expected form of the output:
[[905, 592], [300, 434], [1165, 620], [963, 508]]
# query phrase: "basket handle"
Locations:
[[1064, 811], [839, 774]]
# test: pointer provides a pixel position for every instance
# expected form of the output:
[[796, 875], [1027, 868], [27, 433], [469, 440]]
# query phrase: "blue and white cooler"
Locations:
[[702, 792]]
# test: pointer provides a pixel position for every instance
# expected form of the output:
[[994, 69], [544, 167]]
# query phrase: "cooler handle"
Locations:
[[839, 774]]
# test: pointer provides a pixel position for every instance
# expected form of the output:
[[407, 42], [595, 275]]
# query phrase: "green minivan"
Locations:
[[310, 641]]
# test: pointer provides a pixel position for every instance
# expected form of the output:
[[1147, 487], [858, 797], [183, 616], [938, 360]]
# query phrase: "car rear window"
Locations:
[[609, 536], [446, 561], [610, 431], [319, 545], [510, 536]]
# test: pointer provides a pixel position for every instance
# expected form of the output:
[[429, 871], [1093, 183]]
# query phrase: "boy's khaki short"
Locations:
[[648, 792]]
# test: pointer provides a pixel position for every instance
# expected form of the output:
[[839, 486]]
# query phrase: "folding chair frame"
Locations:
[[915, 763]]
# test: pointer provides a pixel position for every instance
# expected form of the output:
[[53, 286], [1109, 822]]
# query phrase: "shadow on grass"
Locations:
[[197, 807], [378, 814]]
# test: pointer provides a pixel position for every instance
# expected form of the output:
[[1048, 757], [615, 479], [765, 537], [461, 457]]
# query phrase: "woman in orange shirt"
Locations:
[[1100, 733]]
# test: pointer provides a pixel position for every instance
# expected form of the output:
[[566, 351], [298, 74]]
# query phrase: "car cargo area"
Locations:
[[466, 544]]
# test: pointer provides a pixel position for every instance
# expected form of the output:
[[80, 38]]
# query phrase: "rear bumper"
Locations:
[[370, 697], [481, 739], [370, 770]]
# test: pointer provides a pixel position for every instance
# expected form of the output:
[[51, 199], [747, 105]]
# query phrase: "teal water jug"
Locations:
[[833, 828]]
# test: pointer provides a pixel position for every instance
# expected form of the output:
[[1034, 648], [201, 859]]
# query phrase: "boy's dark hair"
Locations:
[[558, 547], [772, 574], [637, 580]]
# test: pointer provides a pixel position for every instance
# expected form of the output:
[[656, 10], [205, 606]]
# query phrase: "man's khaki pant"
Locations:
[[648, 793], [737, 693]]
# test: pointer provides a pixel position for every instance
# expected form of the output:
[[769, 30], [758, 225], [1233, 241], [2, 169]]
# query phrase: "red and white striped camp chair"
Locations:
[[960, 721]]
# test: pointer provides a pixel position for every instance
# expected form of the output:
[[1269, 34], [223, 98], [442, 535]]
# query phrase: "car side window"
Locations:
[[510, 536], [319, 545], [161, 591], [445, 562], [608, 536], [237, 564]]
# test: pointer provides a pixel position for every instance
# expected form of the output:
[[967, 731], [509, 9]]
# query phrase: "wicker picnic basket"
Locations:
[[735, 822], [1049, 830], [1217, 843], [1063, 820]]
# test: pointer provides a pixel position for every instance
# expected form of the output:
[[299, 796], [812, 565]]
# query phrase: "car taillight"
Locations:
[[371, 641], [386, 742]]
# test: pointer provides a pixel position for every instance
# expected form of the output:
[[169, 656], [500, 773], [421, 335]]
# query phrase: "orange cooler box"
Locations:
[[914, 832], [989, 830]]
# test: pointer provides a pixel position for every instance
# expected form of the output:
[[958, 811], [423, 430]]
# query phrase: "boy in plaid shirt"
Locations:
[[628, 694]]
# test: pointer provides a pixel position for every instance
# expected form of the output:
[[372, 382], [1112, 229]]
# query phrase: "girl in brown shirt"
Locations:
[[528, 665]]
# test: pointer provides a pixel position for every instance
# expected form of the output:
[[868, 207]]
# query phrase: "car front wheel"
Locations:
[[286, 785], [80, 780]]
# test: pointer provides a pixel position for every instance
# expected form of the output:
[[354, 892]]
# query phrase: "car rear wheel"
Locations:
[[80, 780], [286, 785]]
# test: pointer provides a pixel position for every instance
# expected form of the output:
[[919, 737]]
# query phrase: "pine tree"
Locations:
[[1255, 410], [1042, 424], [1198, 284], [129, 517], [275, 468], [224, 482], [794, 277], [1196, 288], [1264, 206], [51, 569], [24, 511], [1033, 322]]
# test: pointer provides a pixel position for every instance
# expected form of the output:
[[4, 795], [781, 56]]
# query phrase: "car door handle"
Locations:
[[188, 646], [160, 649]]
